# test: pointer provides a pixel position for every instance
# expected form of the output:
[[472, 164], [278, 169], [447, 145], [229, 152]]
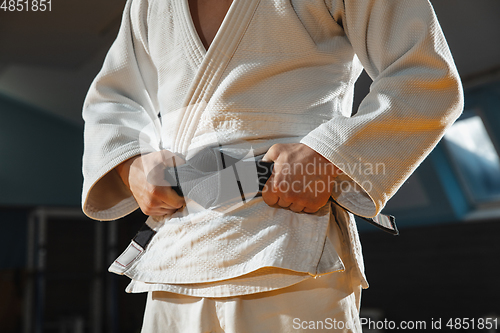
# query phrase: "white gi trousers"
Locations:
[[328, 303]]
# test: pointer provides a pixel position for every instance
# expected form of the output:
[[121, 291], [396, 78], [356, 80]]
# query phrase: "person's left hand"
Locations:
[[302, 179]]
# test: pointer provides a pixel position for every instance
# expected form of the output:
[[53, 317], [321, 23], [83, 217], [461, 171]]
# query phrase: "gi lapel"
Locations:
[[211, 63]]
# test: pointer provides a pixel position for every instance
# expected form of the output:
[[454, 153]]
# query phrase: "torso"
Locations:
[[207, 16]]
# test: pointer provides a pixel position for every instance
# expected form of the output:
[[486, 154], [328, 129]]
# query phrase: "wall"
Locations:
[[40, 157]]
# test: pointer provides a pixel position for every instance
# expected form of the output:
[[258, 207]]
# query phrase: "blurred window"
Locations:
[[475, 158]]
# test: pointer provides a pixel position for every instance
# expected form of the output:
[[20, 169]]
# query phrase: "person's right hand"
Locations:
[[143, 175]]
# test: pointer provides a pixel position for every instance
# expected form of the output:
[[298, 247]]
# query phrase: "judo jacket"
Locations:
[[278, 71]]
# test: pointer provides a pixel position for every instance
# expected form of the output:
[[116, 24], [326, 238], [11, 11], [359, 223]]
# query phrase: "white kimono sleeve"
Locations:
[[120, 116], [415, 96]]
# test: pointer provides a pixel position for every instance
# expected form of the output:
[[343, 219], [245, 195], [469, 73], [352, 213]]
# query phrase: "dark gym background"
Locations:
[[53, 260]]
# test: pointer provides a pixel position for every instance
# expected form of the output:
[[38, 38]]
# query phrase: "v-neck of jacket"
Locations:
[[199, 17], [210, 64], [232, 27]]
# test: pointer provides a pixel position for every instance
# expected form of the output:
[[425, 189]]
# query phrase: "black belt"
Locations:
[[206, 171], [205, 179]]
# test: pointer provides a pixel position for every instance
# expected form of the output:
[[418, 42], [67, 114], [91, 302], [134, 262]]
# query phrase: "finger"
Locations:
[[311, 210], [157, 210], [294, 207], [283, 203], [173, 199], [163, 211], [273, 153], [270, 197], [165, 196], [158, 216]]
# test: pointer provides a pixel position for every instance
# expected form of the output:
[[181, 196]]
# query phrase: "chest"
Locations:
[[207, 17]]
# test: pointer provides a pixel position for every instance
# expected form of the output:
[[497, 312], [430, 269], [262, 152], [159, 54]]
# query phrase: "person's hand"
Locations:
[[144, 176], [302, 179]]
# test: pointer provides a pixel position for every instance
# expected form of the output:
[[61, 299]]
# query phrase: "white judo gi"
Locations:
[[278, 71]]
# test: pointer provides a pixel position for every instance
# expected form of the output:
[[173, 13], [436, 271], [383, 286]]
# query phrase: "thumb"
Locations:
[[272, 154]]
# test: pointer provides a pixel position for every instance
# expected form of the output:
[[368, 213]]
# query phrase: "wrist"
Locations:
[[123, 170]]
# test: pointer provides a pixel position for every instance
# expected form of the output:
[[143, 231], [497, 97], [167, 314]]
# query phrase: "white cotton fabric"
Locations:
[[266, 278], [326, 303], [277, 71]]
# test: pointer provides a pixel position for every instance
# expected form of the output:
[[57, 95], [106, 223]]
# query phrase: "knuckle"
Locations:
[[275, 150], [315, 206], [310, 210], [276, 147], [301, 201], [179, 202], [154, 191], [149, 204], [286, 197], [146, 210], [289, 196], [170, 211], [266, 197], [269, 198]]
